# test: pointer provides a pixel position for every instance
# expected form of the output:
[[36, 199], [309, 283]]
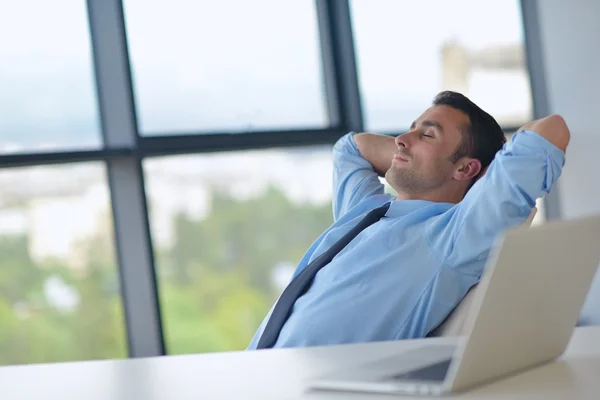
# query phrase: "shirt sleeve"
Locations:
[[504, 197], [354, 178]]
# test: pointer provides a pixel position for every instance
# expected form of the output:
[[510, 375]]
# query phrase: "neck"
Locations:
[[439, 195]]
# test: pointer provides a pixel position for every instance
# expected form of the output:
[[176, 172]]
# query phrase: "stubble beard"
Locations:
[[408, 180]]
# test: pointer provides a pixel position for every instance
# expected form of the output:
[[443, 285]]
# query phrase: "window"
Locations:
[[229, 65], [228, 231], [407, 51], [59, 288], [47, 100]]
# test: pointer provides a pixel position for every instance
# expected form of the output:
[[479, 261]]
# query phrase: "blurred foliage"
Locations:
[[215, 283]]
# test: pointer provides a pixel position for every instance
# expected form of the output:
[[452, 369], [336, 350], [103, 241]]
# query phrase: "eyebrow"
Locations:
[[430, 123]]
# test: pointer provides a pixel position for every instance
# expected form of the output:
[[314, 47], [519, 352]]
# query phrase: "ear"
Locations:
[[468, 168]]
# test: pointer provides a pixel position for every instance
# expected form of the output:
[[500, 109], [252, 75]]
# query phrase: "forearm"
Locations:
[[377, 149]]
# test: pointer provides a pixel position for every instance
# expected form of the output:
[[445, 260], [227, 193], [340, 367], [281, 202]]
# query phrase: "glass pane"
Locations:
[[59, 288], [47, 98], [227, 239], [407, 51], [228, 65]]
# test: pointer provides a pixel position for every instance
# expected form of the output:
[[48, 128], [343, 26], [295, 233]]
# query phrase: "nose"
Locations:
[[402, 140]]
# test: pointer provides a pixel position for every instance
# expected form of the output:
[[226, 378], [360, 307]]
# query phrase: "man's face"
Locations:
[[423, 159]]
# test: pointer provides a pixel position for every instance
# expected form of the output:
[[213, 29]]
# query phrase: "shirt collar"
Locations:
[[400, 208]]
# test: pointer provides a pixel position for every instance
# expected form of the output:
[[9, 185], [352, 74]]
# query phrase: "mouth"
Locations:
[[400, 157]]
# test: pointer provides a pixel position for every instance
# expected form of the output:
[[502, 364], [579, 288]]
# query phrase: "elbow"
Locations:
[[560, 133], [553, 128]]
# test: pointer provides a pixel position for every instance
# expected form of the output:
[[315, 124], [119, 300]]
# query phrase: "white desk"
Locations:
[[279, 374]]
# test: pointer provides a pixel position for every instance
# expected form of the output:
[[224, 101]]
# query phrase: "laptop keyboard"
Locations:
[[431, 373]]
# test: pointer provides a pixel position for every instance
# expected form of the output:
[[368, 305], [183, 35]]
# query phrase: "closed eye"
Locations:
[[428, 135]]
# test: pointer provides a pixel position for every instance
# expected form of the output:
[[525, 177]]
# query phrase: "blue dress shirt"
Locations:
[[401, 277]]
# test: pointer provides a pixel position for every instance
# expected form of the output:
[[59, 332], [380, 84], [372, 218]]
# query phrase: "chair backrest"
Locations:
[[454, 322]]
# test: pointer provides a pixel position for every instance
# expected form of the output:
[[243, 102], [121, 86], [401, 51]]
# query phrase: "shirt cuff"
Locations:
[[532, 139]]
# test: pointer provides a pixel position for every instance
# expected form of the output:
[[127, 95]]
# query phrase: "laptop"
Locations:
[[522, 316]]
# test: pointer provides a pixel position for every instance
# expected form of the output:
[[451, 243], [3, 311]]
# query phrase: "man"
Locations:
[[400, 276]]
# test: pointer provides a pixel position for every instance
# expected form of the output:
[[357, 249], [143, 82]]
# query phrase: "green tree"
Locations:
[[19, 276], [215, 282], [32, 330], [218, 285]]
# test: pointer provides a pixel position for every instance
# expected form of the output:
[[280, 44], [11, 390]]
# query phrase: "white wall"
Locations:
[[570, 36]]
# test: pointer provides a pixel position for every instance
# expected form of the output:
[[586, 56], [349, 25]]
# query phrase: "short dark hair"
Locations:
[[482, 138]]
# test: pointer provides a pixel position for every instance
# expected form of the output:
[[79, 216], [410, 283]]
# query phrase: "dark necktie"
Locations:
[[300, 284]]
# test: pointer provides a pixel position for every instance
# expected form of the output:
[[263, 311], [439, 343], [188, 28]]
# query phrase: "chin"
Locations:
[[389, 176], [393, 180]]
